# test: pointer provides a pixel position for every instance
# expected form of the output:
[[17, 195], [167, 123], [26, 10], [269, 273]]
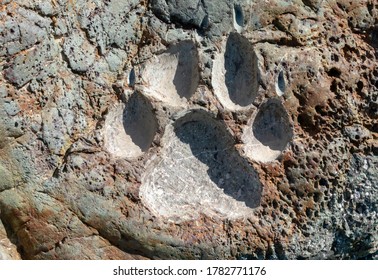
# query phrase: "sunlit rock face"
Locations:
[[188, 129], [200, 171]]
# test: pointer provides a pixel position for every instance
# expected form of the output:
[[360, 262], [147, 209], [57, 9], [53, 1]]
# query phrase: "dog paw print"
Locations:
[[197, 168]]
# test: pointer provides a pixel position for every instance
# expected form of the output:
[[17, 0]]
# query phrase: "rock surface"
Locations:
[[189, 129]]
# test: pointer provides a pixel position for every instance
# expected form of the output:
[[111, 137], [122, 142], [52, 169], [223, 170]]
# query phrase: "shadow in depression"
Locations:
[[212, 144], [240, 63], [139, 121]]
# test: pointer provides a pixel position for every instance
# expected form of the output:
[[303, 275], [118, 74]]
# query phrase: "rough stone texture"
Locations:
[[188, 129], [8, 251]]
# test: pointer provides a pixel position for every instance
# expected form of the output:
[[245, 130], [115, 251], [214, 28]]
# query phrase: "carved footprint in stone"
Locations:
[[172, 77], [235, 73], [198, 170], [130, 128]]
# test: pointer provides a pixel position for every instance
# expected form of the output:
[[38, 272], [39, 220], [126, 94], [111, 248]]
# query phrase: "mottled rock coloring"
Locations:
[[188, 129]]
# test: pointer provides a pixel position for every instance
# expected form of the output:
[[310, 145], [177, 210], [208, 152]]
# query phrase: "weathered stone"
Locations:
[[22, 31], [188, 129], [6, 180], [37, 62], [215, 17], [79, 52], [114, 22], [8, 251]]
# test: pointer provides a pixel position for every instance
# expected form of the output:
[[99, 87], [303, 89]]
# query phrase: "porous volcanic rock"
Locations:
[[212, 129]]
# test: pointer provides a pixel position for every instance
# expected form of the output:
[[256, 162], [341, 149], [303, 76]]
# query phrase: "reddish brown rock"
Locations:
[[184, 130]]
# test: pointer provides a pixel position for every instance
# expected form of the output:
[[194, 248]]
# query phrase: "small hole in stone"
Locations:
[[317, 197], [334, 72], [305, 120], [132, 78], [333, 87], [238, 18], [275, 204], [323, 182], [335, 57], [360, 86], [309, 213], [334, 40], [281, 86]]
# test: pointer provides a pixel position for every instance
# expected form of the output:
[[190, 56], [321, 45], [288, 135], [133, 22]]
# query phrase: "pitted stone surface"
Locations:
[[22, 29], [35, 63], [188, 129], [79, 52], [113, 22]]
